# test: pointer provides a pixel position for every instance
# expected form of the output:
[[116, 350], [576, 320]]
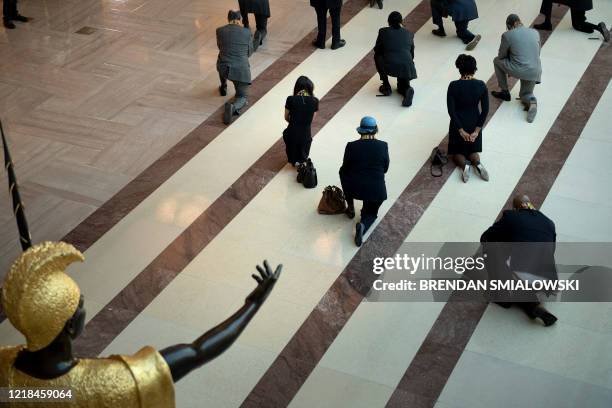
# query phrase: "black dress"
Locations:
[[462, 100], [297, 136]]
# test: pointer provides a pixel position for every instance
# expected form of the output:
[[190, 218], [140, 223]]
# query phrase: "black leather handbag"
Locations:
[[307, 174]]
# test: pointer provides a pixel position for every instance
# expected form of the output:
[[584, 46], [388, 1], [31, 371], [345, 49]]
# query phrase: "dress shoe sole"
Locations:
[[483, 173], [604, 31], [407, 101], [228, 114], [359, 234], [465, 174], [472, 44], [532, 112]]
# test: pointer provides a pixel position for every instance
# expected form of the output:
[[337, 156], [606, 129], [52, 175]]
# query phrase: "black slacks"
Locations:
[[579, 21], [9, 9], [369, 211], [402, 83], [460, 26], [322, 24], [261, 22]]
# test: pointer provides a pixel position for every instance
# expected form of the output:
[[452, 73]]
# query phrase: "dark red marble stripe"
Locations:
[[111, 212], [141, 291], [433, 364], [300, 356]]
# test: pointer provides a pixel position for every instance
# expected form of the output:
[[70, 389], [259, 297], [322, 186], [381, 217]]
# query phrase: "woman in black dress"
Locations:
[[467, 119], [300, 110]]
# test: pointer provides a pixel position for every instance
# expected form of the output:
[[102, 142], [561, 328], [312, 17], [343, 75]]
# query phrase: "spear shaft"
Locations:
[[22, 224]]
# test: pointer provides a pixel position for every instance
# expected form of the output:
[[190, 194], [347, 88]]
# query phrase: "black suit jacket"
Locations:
[[533, 238], [329, 4], [363, 169], [396, 46]]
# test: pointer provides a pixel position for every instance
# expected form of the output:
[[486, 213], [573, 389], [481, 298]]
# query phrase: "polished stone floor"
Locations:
[[120, 151]]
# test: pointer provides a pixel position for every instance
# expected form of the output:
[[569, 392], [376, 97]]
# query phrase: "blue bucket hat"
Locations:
[[367, 126]]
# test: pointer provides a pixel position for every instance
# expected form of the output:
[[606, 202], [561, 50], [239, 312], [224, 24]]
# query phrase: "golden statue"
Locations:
[[46, 306]]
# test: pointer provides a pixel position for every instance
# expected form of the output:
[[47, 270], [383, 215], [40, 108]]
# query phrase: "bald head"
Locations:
[[521, 201]]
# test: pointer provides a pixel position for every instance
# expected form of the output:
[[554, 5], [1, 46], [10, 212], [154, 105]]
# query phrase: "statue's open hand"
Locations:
[[265, 282]]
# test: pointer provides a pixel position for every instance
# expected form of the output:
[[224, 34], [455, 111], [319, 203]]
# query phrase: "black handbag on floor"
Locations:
[[438, 160], [307, 174]]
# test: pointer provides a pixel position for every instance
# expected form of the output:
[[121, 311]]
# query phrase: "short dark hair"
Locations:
[[395, 19], [303, 83], [234, 15], [466, 64]]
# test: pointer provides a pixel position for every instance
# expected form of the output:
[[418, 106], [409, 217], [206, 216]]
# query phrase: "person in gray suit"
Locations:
[[235, 47], [519, 57], [261, 9], [462, 12], [393, 55]]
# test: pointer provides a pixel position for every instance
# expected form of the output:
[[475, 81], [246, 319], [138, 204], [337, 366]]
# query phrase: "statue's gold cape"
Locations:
[[139, 381]]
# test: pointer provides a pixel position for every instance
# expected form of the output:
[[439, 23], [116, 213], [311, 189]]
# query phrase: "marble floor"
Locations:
[[120, 150]]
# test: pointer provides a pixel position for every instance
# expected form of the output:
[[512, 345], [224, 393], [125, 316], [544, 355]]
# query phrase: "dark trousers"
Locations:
[[402, 83], [461, 26], [261, 22], [242, 92], [9, 9], [322, 24], [369, 211], [578, 17]]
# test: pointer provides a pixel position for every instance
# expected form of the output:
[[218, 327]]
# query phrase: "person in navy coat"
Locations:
[[462, 12], [363, 175]]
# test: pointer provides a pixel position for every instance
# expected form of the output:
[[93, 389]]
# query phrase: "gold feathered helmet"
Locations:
[[38, 296]]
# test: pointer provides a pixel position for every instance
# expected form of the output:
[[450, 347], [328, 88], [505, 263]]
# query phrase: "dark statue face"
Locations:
[[76, 324]]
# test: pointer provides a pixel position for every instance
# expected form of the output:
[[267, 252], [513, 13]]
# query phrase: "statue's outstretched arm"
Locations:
[[183, 358]]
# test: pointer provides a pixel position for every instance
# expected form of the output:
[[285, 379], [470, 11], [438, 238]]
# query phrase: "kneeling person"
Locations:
[[394, 56], [363, 175], [235, 47], [519, 56]]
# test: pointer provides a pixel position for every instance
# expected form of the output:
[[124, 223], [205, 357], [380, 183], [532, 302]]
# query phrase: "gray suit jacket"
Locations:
[[520, 53], [235, 47]]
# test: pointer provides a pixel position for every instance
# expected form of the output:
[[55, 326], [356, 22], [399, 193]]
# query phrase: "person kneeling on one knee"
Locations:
[[235, 47], [394, 56], [363, 175], [519, 57]]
